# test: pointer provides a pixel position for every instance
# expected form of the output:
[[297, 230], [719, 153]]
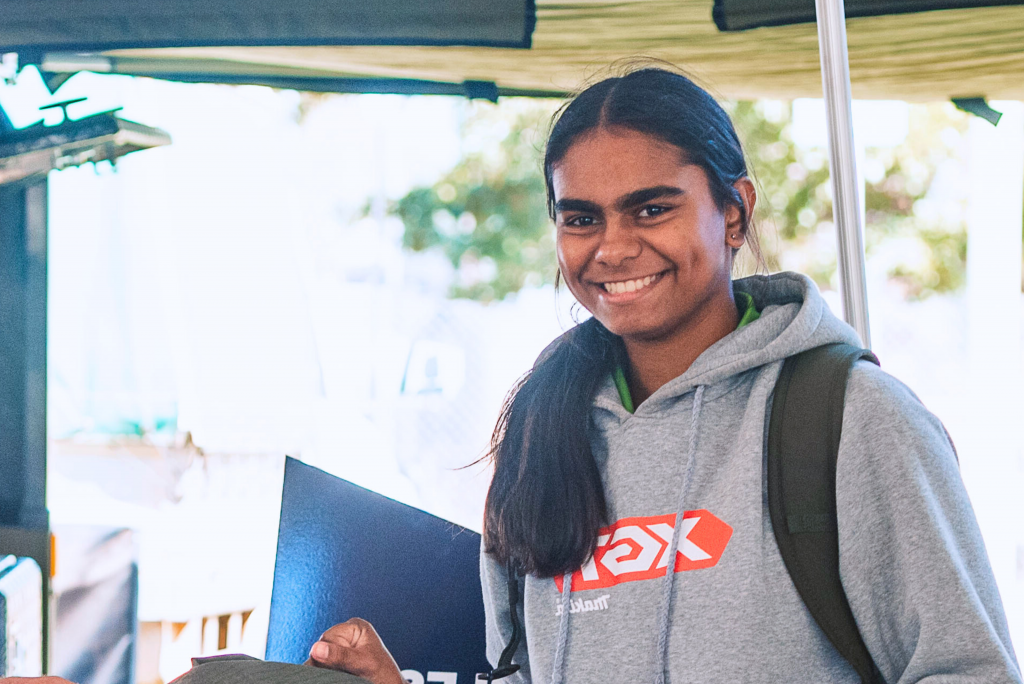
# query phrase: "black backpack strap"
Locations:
[[505, 666], [803, 446]]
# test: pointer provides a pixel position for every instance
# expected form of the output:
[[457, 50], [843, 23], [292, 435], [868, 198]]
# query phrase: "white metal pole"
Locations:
[[842, 158]]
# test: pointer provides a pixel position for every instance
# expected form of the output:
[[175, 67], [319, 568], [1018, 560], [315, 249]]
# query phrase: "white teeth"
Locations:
[[629, 285]]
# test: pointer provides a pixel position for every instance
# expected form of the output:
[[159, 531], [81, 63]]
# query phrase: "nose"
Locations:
[[619, 243]]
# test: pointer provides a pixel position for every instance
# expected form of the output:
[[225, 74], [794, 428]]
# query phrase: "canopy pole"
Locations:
[[842, 159]]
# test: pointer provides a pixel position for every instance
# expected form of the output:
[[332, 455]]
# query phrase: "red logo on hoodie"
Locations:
[[634, 549]]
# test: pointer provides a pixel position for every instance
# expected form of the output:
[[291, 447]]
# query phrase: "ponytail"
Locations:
[[546, 502]]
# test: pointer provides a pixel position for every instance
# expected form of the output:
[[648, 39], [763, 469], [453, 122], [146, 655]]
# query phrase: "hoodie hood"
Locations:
[[794, 318]]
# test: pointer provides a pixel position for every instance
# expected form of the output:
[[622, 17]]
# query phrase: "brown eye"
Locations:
[[581, 222], [652, 210]]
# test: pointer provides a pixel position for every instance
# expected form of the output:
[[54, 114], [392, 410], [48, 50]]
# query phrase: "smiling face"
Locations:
[[641, 242]]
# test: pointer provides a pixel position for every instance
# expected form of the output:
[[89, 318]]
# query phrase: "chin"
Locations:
[[632, 329]]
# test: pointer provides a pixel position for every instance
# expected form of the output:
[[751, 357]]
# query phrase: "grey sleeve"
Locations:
[[494, 581], [912, 559]]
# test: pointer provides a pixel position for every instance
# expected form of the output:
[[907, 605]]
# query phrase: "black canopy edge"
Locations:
[[179, 37], [37, 48], [484, 90], [733, 15]]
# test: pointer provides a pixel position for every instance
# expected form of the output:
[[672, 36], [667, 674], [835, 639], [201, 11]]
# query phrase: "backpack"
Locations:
[[803, 446]]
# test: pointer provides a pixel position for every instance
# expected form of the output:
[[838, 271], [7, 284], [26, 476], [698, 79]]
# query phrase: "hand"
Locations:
[[354, 647]]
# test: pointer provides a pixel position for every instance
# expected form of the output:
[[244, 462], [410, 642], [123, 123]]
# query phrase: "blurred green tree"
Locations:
[[488, 215]]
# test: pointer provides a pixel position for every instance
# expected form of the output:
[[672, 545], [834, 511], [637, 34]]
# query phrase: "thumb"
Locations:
[[333, 655], [354, 647]]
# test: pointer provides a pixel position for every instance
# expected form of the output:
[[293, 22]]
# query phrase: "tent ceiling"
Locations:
[[925, 56]]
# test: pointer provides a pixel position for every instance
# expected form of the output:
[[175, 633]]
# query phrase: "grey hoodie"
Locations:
[[912, 560]]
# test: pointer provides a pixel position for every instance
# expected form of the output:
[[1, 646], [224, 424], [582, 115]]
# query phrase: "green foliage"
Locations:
[[945, 269], [794, 196], [489, 218], [488, 215], [924, 251]]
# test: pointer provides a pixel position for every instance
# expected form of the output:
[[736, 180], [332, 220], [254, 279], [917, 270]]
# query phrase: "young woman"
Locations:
[[640, 436], [643, 430]]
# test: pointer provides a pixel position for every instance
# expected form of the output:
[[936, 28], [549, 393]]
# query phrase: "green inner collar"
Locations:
[[748, 311], [748, 314]]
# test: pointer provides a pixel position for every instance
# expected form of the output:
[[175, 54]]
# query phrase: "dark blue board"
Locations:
[[344, 551]]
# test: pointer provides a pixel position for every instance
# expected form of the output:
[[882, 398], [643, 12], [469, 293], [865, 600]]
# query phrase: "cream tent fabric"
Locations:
[[926, 56]]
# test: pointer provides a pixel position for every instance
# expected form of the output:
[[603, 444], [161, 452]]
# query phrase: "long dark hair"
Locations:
[[546, 502]]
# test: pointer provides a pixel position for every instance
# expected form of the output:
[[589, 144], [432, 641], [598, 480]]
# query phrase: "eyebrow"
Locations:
[[638, 197], [577, 205], [627, 201]]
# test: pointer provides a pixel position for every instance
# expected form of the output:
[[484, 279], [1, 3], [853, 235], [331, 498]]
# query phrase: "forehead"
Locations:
[[606, 163]]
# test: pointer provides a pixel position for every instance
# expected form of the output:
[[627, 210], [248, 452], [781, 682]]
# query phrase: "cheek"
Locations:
[[701, 251], [572, 259], [560, 255], [711, 241], [689, 246]]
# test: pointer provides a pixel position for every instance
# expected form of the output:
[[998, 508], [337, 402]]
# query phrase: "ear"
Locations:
[[736, 221]]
